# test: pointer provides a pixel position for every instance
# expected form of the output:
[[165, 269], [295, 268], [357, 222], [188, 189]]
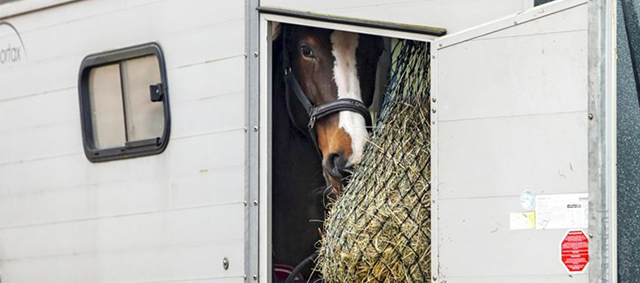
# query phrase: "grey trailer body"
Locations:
[[523, 103], [171, 217]]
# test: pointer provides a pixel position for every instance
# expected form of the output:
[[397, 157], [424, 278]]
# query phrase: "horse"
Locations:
[[323, 82], [332, 75]]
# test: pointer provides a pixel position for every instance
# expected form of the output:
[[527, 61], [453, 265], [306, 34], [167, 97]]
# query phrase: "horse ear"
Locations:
[[276, 30]]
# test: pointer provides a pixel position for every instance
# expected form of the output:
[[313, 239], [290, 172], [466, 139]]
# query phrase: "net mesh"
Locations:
[[378, 230]]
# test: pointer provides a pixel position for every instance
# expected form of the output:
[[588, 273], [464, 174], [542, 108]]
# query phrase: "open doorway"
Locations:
[[323, 88], [316, 75]]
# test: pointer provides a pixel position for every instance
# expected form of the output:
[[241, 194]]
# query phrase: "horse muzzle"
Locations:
[[336, 172]]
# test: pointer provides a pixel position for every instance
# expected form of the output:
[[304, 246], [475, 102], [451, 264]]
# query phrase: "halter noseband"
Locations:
[[316, 113]]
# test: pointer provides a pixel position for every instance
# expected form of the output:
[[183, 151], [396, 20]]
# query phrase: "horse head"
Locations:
[[335, 72]]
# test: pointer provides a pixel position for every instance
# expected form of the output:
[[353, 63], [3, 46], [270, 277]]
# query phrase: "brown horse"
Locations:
[[332, 76], [327, 66]]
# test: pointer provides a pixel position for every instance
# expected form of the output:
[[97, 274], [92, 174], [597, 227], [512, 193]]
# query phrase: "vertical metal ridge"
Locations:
[[252, 111], [602, 141]]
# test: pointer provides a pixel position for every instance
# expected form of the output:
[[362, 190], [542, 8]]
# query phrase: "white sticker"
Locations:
[[527, 200], [562, 211], [522, 220]]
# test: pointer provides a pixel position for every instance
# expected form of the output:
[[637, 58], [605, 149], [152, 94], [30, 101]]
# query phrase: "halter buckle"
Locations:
[[312, 122]]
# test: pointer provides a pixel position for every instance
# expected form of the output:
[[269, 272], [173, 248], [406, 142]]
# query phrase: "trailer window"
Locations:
[[124, 103]]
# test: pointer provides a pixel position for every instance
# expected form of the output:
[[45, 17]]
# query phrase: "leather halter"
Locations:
[[316, 113]]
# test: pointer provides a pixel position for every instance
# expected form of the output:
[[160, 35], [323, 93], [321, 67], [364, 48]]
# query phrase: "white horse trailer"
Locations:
[[523, 103]]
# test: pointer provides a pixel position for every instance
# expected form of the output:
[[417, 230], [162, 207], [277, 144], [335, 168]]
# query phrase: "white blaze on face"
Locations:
[[345, 74]]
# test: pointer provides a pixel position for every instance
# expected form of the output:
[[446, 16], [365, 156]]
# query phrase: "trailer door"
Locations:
[[510, 146]]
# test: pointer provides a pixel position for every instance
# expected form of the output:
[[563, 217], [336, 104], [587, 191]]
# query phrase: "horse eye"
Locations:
[[307, 51]]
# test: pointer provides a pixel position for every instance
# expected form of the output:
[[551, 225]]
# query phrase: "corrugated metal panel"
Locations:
[[511, 115], [168, 217]]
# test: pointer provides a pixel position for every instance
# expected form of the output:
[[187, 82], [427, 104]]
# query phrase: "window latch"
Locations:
[[157, 92]]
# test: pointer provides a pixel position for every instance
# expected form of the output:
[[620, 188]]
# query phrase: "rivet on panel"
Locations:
[[255, 54], [255, 277], [255, 128], [434, 110], [255, 203], [590, 116], [225, 263]]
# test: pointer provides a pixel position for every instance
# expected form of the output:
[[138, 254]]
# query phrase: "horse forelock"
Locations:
[[345, 74]]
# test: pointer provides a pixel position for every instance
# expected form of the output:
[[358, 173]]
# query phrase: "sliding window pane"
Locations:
[[145, 118], [107, 117]]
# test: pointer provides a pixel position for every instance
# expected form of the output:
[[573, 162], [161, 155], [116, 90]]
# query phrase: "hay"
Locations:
[[378, 230]]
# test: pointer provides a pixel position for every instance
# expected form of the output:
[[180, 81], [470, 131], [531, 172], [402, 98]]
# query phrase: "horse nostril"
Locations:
[[335, 165]]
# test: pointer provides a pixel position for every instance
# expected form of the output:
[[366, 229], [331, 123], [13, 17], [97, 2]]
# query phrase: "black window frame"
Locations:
[[134, 148]]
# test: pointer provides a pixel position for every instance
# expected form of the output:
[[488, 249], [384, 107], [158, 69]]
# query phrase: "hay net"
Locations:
[[378, 229]]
